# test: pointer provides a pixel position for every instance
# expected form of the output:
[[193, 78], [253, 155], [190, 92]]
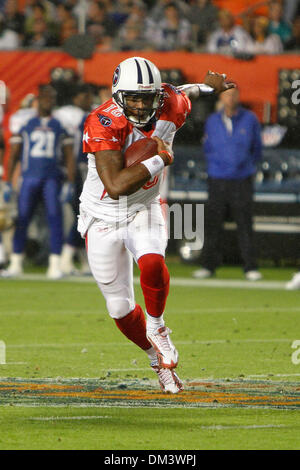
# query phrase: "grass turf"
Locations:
[[147, 429], [56, 329]]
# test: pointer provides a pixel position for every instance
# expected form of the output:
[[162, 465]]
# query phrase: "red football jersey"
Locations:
[[106, 128]]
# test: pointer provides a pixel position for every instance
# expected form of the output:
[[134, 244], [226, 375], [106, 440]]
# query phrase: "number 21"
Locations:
[[43, 144]]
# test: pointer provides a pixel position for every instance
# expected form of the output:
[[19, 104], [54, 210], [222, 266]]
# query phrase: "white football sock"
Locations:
[[16, 263], [67, 253], [151, 353], [154, 322], [2, 253]]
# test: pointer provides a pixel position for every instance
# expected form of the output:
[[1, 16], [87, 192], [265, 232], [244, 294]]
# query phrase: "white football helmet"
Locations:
[[137, 78]]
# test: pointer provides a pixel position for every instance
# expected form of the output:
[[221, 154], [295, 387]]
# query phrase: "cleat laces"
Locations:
[[163, 340], [165, 376]]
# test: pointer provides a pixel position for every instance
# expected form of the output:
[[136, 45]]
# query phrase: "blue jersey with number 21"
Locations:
[[42, 148]]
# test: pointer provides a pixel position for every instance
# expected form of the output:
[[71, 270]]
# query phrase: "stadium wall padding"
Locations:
[[22, 71]]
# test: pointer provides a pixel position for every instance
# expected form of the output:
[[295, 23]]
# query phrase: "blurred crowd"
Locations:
[[162, 25]]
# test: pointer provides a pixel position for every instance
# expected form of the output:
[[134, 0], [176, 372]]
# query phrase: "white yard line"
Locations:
[[14, 363], [220, 427], [208, 428], [66, 418], [247, 340], [101, 344], [254, 376], [191, 311], [229, 283], [175, 281]]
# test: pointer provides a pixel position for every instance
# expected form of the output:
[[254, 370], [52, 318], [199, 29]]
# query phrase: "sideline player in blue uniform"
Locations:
[[72, 117], [41, 144]]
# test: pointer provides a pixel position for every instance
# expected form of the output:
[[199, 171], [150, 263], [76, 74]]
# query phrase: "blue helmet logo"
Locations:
[[116, 75]]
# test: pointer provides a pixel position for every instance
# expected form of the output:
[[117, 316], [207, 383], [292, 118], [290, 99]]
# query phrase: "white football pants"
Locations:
[[111, 251]]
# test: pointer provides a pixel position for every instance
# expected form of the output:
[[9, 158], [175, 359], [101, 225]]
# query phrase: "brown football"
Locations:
[[139, 151]]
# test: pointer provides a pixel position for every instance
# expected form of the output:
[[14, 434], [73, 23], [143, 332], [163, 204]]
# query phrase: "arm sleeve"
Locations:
[[17, 137]]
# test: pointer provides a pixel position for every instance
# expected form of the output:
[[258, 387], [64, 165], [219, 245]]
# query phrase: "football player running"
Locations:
[[117, 203], [39, 145]]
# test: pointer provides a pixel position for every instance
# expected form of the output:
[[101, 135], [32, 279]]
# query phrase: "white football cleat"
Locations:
[[253, 275], [166, 352], [15, 267], [202, 273], [54, 274], [294, 283], [54, 271], [168, 380], [67, 265], [9, 273], [69, 269]]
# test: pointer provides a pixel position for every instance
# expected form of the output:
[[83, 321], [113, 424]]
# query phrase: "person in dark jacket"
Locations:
[[232, 147]]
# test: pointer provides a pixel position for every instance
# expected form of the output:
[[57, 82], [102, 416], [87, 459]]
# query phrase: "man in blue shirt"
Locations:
[[41, 145], [232, 147]]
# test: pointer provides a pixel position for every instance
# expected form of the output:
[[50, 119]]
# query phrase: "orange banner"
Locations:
[[257, 79]]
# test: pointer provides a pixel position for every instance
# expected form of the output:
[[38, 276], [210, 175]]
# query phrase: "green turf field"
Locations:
[[242, 390]]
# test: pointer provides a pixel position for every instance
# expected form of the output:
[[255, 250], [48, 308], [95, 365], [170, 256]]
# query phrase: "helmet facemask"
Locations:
[[148, 104]]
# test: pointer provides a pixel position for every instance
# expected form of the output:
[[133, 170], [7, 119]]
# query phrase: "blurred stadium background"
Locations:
[[73, 42], [234, 337]]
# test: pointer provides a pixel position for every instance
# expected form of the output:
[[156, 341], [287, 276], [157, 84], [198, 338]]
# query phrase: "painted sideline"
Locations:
[[135, 393]]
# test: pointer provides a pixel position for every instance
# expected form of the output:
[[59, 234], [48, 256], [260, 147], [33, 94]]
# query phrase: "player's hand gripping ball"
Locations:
[[139, 151], [146, 148]]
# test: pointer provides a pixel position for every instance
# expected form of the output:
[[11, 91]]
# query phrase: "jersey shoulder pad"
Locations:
[[59, 128], [70, 117], [102, 130], [20, 118], [176, 105], [109, 115]]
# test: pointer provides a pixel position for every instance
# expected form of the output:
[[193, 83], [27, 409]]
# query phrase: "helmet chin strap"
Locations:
[[134, 120]]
